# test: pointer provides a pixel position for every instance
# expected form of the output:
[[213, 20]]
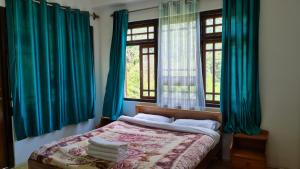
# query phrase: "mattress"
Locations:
[[149, 146]]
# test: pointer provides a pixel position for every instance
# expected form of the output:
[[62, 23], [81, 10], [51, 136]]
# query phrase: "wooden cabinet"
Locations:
[[104, 121], [248, 152]]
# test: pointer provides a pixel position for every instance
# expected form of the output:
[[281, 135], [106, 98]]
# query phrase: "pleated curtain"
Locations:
[[50, 66], [114, 94], [180, 81], [240, 100]]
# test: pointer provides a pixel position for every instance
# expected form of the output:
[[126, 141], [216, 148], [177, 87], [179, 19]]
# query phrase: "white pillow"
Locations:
[[210, 124], [151, 117]]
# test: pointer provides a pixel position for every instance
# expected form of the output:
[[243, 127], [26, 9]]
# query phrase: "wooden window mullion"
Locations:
[[145, 43], [214, 71], [210, 38], [148, 57], [141, 72]]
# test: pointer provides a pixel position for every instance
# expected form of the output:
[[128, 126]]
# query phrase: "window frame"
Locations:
[[141, 43], [209, 38]]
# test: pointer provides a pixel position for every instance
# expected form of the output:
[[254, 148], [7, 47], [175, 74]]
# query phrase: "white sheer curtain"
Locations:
[[180, 82]]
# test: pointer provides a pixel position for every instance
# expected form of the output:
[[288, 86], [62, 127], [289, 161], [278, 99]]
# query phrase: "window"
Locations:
[[211, 45], [141, 61], [141, 58]]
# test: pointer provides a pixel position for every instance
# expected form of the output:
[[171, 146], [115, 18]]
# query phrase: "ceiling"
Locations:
[[101, 3]]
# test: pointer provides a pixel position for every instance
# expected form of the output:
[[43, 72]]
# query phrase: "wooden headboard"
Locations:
[[151, 108]]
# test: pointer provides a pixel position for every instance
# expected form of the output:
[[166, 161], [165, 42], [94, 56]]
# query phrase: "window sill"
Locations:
[[212, 109], [212, 104], [140, 100], [207, 108]]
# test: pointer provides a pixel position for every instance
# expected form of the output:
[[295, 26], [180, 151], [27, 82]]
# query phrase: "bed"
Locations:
[[149, 146]]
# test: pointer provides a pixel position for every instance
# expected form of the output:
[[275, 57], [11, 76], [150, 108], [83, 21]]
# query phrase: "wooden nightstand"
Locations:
[[249, 152], [104, 121]]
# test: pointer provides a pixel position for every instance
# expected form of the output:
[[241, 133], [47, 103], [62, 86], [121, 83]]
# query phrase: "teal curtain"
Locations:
[[50, 66], [240, 100], [113, 100]]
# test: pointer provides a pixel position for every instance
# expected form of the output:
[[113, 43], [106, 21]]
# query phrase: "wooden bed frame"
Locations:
[[151, 108]]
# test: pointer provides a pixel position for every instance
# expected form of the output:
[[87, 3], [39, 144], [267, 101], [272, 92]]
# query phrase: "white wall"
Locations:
[[24, 148], [280, 80], [279, 75], [279, 71], [106, 25]]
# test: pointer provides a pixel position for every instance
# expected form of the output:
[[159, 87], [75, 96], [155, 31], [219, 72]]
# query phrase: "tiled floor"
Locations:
[[23, 166], [219, 165]]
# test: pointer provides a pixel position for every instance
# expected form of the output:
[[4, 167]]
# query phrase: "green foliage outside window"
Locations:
[[132, 72]]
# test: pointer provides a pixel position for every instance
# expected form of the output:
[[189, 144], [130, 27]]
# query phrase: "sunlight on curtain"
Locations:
[[51, 67], [114, 93], [240, 98], [180, 83]]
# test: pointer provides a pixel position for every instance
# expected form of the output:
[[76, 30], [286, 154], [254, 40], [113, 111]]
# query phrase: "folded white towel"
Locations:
[[110, 155], [98, 141], [120, 150], [107, 150], [107, 156], [111, 149]]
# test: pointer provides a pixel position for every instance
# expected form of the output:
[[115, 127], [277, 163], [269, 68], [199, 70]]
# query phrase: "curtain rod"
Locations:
[[153, 7], [137, 10], [93, 15]]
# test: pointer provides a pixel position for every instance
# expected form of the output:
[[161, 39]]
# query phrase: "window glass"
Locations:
[[132, 71], [209, 21], [211, 40], [139, 30], [141, 61]]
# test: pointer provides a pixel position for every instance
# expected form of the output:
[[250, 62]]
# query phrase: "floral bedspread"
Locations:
[[147, 148]]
